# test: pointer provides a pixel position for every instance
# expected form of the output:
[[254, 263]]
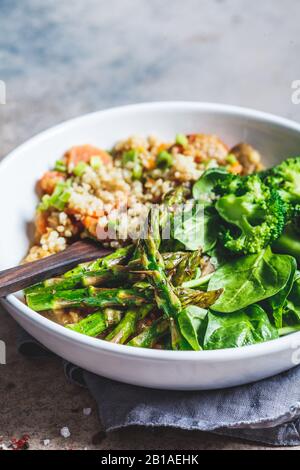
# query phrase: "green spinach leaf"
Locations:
[[189, 227], [242, 328], [293, 300], [190, 320], [277, 303], [210, 229], [250, 279], [203, 189], [196, 227]]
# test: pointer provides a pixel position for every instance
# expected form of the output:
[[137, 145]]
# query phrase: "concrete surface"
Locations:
[[60, 59]]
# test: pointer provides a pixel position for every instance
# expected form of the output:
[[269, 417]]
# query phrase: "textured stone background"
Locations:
[[60, 59]]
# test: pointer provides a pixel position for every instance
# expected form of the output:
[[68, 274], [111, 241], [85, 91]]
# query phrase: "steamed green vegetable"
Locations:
[[288, 242], [254, 213], [286, 179]]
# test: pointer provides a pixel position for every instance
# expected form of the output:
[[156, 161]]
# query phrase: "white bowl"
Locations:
[[274, 137]]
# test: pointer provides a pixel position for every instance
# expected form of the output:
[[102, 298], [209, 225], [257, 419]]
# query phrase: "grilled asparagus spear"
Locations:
[[165, 295], [152, 261], [108, 274], [97, 323], [127, 325], [115, 274], [90, 297], [187, 268], [150, 335], [98, 271], [199, 298], [172, 199], [139, 294], [117, 257]]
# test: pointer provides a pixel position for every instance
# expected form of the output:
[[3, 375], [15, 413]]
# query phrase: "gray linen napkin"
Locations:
[[267, 411]]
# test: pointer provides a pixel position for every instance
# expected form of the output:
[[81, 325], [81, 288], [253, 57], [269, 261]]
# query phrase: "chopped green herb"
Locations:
[[95, 162], [130, 156], [60, 166], [137, 171], [231, 159], [181, 139], [80, 169], [164, 159], [58, 199]]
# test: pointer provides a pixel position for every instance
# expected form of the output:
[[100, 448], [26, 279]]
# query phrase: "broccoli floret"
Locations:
[[286, 179], [294, 218], [229, 185], [289, 242], [255, 214]]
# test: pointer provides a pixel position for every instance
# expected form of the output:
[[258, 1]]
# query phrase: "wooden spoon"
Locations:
[[25, 275]]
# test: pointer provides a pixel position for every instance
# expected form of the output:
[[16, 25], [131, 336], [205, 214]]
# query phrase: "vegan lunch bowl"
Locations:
[[203, 222]]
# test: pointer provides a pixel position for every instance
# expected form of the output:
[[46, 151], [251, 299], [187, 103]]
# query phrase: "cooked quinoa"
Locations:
[[83, 194]]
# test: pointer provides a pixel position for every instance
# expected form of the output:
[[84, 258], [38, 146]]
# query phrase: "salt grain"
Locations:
[[65, 432], [46, 442], [87, 411]]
